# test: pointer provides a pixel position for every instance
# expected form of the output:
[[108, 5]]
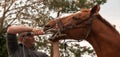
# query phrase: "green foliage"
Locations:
[[73, 49], [71, 5], [3, 50]]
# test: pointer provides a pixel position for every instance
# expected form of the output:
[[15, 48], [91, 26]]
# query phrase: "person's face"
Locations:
[[27, 40]]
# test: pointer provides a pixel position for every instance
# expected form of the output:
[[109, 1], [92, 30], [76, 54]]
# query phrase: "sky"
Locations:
[[111, 12]]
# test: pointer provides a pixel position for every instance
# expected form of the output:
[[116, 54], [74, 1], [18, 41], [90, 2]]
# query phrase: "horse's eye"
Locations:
[[78, 20]]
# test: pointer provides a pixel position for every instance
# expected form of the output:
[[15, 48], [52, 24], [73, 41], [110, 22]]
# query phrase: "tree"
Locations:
[[3, 50], [68, 6], [30, 12], [36, 13]]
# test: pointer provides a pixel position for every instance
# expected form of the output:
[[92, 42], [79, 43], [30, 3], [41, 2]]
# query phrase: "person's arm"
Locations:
[[20, 28], [56, 52], [14, 29], [12, 44]]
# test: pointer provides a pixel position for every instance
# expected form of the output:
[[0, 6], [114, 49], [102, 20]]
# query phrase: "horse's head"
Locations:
[[75, 26]]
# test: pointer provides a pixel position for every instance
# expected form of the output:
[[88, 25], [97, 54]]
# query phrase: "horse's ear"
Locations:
[[95, 9]]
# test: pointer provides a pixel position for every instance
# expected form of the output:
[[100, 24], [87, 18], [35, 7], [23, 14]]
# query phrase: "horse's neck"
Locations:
[[105, 41], [105, 47]]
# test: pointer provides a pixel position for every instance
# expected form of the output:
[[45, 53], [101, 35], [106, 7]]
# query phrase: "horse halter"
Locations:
[[63, 28]]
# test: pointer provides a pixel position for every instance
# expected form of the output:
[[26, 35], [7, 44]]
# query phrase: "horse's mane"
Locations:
[[85, 10], [102, 20], [107, 23]]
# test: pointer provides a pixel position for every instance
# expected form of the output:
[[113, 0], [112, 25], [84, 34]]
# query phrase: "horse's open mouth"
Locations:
[[55, 34]]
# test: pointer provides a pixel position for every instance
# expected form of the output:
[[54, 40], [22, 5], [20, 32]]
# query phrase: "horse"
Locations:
[[87, 25]]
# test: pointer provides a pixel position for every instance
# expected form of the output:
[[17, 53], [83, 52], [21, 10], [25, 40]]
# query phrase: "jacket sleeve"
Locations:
[[12, 44]]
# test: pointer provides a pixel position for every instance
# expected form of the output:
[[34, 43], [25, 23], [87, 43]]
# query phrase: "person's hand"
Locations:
[[37, 31]]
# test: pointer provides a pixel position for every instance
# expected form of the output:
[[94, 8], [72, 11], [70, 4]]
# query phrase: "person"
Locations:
[[24, 35]]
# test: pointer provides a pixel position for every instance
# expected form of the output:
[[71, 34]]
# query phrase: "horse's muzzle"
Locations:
[[56, 33]]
